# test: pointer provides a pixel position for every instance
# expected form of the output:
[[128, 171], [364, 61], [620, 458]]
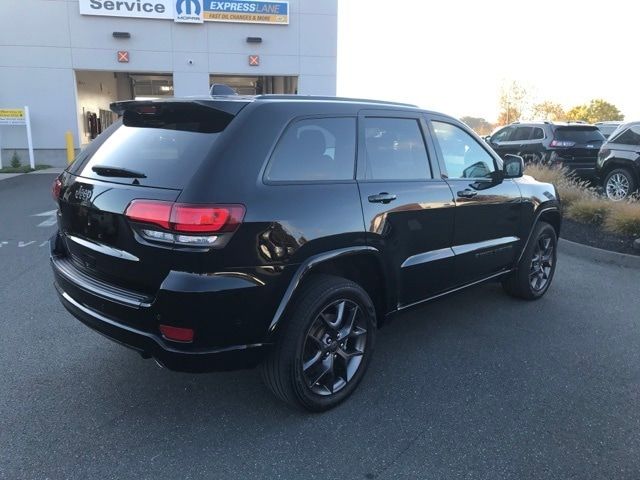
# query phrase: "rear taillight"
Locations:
[[177, 334], [561, 143], [148, 211], [197, 225], [55, 189]]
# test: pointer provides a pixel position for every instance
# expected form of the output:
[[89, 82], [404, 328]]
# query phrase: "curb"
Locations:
[[52, 170], [598, 254], [7, 176]]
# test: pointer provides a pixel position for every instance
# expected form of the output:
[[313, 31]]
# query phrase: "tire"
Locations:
[[536, 268], [619, 184], [327, 310]]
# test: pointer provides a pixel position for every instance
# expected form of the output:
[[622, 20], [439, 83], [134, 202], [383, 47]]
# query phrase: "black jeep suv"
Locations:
[[227, 232], [618, 165], [573, 145]]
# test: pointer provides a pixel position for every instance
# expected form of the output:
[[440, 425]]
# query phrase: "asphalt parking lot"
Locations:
[[476, 386]]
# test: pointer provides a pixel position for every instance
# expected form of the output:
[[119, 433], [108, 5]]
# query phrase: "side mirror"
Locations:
[[513, 166]]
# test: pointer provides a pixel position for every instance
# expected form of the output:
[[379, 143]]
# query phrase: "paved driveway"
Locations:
[[476, 386]]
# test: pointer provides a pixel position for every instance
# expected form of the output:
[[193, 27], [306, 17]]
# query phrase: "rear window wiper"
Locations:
[[106, 171]]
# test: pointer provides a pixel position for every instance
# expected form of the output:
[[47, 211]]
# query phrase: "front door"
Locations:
[[408, 209], [488, 210], [502, 142]]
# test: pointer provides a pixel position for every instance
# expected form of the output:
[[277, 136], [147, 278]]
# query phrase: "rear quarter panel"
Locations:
[[284, 223]]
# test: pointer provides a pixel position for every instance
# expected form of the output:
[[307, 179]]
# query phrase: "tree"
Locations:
[[479, 125], [513, 103], [597, 110], [548, 110]]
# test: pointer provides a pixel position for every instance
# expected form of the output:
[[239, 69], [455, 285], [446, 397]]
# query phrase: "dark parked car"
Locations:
[[607, 128], [619, 162], [227, 232], [574, 145]]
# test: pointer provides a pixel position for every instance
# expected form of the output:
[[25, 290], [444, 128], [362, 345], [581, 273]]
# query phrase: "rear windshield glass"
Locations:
[[579, 134], [607, 129], [155, 150], [629, 136]]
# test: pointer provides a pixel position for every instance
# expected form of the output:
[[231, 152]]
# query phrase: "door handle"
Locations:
[[467, 193], [382, 197]]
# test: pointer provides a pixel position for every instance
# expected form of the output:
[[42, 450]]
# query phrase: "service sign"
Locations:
[[162, 9], [12, 116], [240, 11], [192, 11]]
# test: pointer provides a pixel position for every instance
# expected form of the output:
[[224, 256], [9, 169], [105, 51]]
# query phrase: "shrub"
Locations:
[[570, 188], [583, 204], [589, 209], [15, 160], [543, 173], [624, 218]]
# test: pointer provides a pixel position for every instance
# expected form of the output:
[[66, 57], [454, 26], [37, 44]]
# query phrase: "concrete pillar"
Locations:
[[124, 90]]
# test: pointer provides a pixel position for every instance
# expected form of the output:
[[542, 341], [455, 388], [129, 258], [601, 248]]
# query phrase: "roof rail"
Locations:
[[328, 98]]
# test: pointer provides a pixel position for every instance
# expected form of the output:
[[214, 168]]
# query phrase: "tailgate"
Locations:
[[99, 240], [580, 144], [152, 154]]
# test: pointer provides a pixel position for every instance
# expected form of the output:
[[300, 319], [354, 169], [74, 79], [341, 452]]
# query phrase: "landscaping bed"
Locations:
[[589, 217], [595, 236]]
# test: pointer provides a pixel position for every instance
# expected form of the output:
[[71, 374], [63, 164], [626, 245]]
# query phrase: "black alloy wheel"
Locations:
[[324, 344], [536, 267], [334, 347], [542, 263]]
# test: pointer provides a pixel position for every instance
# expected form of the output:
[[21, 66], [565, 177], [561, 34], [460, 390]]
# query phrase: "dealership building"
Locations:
[[67, 60]]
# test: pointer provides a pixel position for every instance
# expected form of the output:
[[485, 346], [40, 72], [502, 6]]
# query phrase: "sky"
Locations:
[[454, 56]]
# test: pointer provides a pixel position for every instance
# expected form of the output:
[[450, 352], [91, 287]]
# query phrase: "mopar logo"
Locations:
[[187, 4], [188, 11]]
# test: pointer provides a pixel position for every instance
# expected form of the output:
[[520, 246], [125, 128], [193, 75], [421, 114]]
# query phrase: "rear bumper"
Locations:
[[230, 313], [195, 361]]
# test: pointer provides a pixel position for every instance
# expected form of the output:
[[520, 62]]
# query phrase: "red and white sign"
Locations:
[[254, 60], [123, 56]]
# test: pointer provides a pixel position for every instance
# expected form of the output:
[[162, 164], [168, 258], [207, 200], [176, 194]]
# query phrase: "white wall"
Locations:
[[41, 49], [96, 90]]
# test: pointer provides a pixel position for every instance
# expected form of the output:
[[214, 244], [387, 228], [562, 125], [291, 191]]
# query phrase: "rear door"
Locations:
[[532, 148], [152, 155], [408, 208], [486, 235]]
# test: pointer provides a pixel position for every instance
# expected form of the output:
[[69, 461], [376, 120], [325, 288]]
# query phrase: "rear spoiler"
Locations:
[[231, 106], [203, 116]]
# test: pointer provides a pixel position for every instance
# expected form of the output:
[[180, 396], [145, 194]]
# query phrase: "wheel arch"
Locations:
[[615, 163], [362, 265], [553, 217], [550, 214]]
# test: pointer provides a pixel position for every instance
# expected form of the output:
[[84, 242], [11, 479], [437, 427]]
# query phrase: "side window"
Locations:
[[538, 134], [631, 136], [503, 135], [521, 134], [463, 156], [395, 149], [316, 149]]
